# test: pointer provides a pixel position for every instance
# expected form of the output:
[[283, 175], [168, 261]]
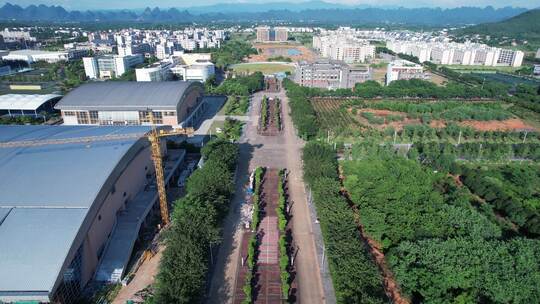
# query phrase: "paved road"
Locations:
[[283, 151]]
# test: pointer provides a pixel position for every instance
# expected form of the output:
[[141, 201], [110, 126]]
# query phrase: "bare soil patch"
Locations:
[[513, 124], [498, 125], [397, 125], [269, 50]]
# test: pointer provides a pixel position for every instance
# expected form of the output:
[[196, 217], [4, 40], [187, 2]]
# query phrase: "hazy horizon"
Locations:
[[140, 4]]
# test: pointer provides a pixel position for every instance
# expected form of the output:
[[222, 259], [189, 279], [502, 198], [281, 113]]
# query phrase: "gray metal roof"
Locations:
[[129, 95], [48, 195], [35, 243]]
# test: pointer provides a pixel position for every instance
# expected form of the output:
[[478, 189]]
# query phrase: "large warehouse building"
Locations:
[[72, 212], [173, 103], [27, 104]]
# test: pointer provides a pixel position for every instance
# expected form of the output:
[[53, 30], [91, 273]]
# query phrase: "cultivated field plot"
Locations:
[[481, 116], [332, 115]]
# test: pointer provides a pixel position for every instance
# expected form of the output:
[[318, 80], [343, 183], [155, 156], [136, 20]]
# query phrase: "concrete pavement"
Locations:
[[282, 151]]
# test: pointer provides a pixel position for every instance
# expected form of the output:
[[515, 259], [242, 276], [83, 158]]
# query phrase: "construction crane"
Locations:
[[153, 136]]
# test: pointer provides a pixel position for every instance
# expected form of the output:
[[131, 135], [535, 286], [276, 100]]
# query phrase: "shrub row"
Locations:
[[253, 242], [277, 114], [264, 112], [281, 211], [355, 276], [183, 270], [302, 112]]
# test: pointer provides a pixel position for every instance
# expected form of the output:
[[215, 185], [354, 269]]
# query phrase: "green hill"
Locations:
[[525, 26]]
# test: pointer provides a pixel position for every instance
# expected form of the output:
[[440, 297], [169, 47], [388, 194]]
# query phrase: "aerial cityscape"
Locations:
[[273, 152]]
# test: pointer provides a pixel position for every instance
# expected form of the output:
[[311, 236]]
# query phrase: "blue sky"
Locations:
[[133, 4]]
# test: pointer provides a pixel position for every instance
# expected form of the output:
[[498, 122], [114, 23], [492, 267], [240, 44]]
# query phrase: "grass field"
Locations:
[[265, 68]]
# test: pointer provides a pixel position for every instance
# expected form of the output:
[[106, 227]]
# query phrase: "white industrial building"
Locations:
[[198, 71], [158, 71], [31, 56], [345, 48], [27, 104], [403, 69], [449, 53], [110, 66], [189, 67]]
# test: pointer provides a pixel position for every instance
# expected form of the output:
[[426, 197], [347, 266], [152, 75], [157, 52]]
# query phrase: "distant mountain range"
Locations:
[[307, 12], [523, 26], [270, 6]]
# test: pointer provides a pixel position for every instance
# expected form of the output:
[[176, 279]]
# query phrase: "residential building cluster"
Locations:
[[269, 34], [330, 74], [343, 46], [458, 53], [10, 35], [158, 42], [132, 46]]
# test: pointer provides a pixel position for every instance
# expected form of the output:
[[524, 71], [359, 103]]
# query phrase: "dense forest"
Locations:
[[524, 26], [238, 86], [454, 209], [442, 247], [231, 52], [354, 274]]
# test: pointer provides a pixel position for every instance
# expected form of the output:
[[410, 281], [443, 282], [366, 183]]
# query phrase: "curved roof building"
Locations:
[[61, 203], [27, 104], [128, 103]]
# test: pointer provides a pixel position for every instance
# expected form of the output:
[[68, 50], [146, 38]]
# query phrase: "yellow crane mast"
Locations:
[[155, 146]]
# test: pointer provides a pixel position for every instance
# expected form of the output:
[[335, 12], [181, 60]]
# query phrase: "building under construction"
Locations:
[[74, 200]]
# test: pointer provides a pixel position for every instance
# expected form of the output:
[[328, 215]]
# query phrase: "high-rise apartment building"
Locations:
[[263, 34], [268, 34], [345, 48], [448, 53], [281, 34]]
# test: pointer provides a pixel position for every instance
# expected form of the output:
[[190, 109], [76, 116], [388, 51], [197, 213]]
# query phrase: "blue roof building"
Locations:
[[60, 205]]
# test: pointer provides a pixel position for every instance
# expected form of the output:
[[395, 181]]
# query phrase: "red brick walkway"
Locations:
[[268, 274]]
